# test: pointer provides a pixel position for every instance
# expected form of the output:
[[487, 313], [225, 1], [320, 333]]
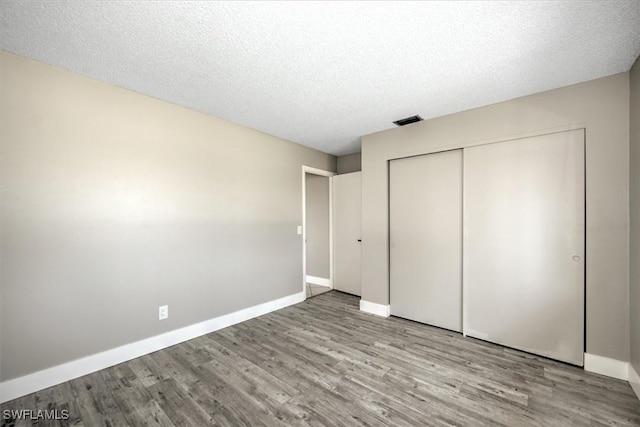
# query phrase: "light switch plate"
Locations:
[[299, 229]]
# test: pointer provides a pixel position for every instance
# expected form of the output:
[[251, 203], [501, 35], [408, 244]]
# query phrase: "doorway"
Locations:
[[317, 231]]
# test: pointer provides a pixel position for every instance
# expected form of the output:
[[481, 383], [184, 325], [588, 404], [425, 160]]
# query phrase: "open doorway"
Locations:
[[317, 226]]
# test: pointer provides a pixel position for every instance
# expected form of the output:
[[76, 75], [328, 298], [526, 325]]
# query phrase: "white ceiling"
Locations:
[[324, 73]]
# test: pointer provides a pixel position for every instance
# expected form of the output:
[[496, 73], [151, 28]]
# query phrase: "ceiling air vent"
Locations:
[[408, 120]]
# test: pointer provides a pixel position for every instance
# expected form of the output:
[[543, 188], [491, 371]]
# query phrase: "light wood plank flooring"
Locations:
[[324, 363]]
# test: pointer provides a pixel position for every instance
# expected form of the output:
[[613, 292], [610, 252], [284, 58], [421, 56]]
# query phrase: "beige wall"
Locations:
[[114, 203], [602, 107], [317, 224], [634, 192], [349, 163]]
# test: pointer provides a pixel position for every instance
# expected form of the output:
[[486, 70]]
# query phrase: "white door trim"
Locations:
[[329, 174]]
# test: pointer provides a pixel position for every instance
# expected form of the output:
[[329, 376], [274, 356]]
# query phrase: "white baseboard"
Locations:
[[374, 308], [606, 366], [318, 281], [40, 380], [634, 380]]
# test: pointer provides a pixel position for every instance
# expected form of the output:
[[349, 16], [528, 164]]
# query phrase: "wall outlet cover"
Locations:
[[163, 312]]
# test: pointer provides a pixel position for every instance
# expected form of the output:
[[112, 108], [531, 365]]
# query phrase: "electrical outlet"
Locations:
[[163, 312]]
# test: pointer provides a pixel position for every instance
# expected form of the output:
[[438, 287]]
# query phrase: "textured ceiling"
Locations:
[[324, 73]]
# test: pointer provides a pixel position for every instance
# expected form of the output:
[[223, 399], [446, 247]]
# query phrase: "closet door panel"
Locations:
[[524, 244], [425, 196]]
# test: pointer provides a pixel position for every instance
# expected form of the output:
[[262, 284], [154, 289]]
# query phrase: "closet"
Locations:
[[514, 212]]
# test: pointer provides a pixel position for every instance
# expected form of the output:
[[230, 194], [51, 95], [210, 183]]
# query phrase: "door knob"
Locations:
[[576, 258]]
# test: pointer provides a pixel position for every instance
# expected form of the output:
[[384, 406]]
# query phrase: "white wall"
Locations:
[[350, 163], [114, 203]]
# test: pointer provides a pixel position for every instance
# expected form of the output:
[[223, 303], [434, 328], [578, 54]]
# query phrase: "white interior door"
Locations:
[[425, 202], [524, 244], [347, 226]]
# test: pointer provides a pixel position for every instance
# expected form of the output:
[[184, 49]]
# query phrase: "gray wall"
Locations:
[[350, 163], [317, 223], [634, 192], [114, 203], [602, 107]]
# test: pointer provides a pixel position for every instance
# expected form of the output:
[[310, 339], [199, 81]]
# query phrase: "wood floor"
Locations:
[[314, 290], [324, 363]]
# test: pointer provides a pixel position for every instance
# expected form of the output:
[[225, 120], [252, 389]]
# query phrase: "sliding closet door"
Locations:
[[425, 202], [524, 244]]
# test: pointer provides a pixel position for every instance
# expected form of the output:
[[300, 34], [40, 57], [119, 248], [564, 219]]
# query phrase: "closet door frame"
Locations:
[[442, 147]]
